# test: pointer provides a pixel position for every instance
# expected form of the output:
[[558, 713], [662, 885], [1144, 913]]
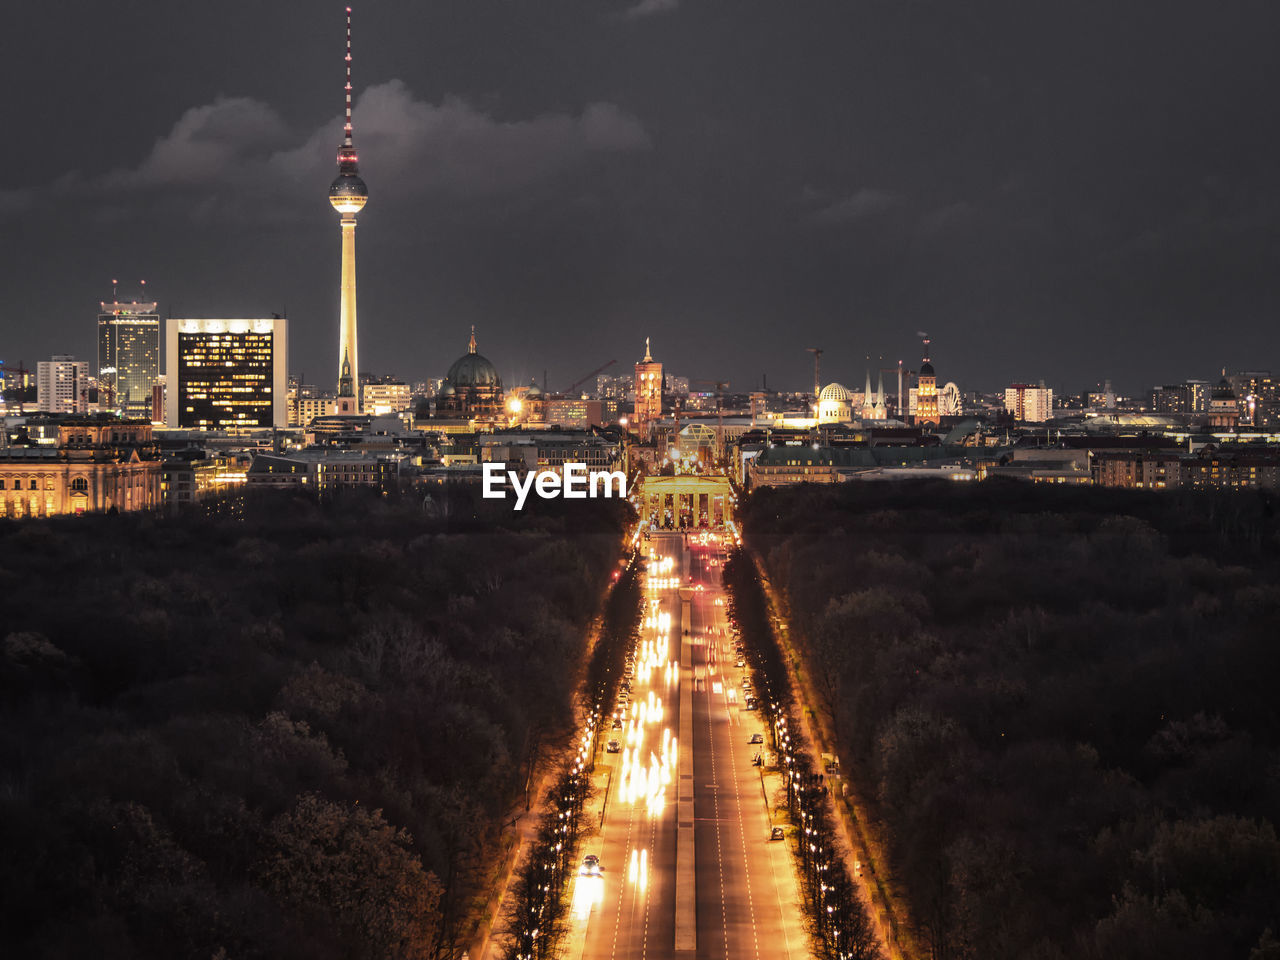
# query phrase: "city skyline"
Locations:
[[626, 175]]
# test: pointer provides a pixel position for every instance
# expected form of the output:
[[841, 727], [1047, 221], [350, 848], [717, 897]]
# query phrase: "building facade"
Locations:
[[62, 385], [97, 464], [387, 397], [1027, 403], [128, 355], [648, 391], [226, 374], [927, 392]]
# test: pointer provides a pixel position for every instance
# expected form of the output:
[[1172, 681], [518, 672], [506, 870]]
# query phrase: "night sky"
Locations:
[[1057, 191]]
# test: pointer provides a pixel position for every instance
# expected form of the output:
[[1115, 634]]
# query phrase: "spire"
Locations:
[[471, 347], [347, 159], [346, 130], [647, 357], [345, 386]]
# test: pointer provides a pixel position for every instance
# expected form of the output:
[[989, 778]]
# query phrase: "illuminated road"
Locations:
[[740, 897]]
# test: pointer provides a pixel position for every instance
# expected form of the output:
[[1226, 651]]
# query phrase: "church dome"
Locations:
[[926, 369], [448, 390], [1223, 390], [533, 390], [474, 370], [835, 391]]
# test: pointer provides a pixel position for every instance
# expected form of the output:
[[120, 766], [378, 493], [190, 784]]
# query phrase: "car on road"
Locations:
[[756, 738], [617, 723], [613, 746], [740, 663], [776, 834], [751, 703], [590, 866]]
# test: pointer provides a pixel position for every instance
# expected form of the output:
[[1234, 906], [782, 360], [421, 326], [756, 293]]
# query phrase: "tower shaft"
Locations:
[[348, 342]]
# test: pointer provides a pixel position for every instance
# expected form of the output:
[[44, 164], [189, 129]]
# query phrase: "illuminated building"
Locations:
[[835, 403], [1224, 409], [185, 480], [1171, 398], [383, 398], [97, 464], [927, 391], [128, 355], [573, 413], [873, 405], [1198, 396], [648, 391], [348, 195], [62, 385], [226, 374], [302, 410], [472, 388], [1032, 404]]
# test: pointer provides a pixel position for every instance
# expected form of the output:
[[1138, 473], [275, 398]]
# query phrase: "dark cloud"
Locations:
[[1089, 187], [647, 8], [863, 203]]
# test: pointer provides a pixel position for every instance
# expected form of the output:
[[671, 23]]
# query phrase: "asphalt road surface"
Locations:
[[745, 902]]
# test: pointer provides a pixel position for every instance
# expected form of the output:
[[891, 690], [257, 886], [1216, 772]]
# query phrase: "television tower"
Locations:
[[348, 195]]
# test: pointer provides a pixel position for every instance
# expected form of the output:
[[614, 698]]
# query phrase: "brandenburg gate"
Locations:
[[685, 502]]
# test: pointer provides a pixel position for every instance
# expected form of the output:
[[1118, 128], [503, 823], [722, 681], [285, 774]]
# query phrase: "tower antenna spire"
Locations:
[[346, 130]]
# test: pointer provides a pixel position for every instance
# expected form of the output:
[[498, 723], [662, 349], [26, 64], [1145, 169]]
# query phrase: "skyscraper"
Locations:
[[348, 195], [226, 374], [128, 354]]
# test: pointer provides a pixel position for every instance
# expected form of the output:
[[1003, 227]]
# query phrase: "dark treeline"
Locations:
[[1062, 703], [839, 925], [537, 908], [290, 732]]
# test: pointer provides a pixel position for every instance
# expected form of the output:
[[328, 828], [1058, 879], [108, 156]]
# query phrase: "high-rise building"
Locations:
[[648, 393], [62, 385], [1198, 395], [1171, 398], [226, 374], [128, 354], [1032, 404], [348, 195]]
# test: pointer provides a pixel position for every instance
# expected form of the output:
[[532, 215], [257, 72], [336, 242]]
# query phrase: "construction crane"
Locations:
[[579, 382], [817, 370]]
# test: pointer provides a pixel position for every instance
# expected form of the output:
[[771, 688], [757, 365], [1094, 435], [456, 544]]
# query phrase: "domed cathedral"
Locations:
[[472, 388], [835, 404], [927, 391]]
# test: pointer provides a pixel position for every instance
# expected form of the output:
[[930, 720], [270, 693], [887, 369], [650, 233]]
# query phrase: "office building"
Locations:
[[128, 355], [62, 385], [226, 374]]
